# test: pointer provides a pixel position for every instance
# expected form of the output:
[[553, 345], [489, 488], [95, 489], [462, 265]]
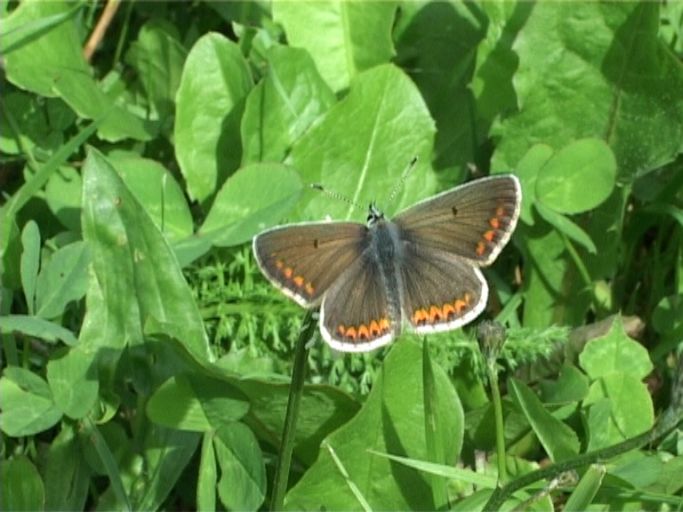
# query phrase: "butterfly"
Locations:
[[420, 270]]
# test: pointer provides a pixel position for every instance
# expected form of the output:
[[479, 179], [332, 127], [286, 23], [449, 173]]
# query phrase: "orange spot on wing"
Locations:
[[299, 281], [419, 316], [459, 305], [351, 333], [495, 223], [289, 271], [374, 328], [384, 325], [489, 235], [500, 211], [434, 314], [363, 332], [481, 248], [309, 288], [448, 310], [341, 330]]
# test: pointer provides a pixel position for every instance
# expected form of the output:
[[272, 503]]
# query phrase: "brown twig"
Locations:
[[100, 29]]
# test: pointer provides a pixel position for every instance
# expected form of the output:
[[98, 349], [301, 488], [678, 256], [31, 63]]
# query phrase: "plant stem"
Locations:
[[500, 428], [296, 389]]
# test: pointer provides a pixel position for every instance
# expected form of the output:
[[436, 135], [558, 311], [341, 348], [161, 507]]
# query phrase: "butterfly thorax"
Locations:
[[374, 215]]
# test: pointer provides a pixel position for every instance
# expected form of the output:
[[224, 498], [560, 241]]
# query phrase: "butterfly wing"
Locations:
[[441, 291], [474, 220], [303, 260], [357, 314]]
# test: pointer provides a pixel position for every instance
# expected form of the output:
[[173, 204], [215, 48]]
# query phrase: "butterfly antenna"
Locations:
[[335, 195], [404, 176]]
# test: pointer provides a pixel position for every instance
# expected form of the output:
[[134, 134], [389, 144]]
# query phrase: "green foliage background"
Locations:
[[145, 361]]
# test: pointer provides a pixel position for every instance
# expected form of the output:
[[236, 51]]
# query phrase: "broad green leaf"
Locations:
[[30, 262], [63, 196], [391, 125], [581, 75], [349, 37], [155, 188], [243, 473], [48, 50], [615, 353], [50, 63], [137, 275], [197, 403], [36, 327], [63, 278], [207, 476], [243, 206], [166, 453], [527, 170], [67, 474], [577, 178], [210, 100], [158, 57], [26, 403], [565, 226], [436, 44], [570, 386], [551, 290], [73, 382], [558, 440], [391, 421], [283, 106], [630, 411], [22, 486]]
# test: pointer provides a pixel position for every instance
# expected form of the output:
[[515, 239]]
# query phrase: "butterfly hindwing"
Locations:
[[357, 313], [474, 220], [303, 260], [441, 291]]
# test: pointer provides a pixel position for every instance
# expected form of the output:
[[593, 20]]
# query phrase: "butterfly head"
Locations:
[[374, 214]]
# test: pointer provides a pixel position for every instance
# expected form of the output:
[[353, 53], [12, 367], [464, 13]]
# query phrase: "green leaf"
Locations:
[[391, 125], [197, 403], [22, 487], [391, 421], [26, 403], [64, 278], [243, 207], [582, 496], [36, 327], [581, 75], [73, 383], [629, 410], [30, 262], [157, 190], [279, 110], [566, 226], [207, 476], [137, 275], [67, 474], [158, 57], [527, 171], [559, 441], [577, 178], [243, 473], [349, 38], [210, 100], [436, 45], [615, 353], [63, 196]]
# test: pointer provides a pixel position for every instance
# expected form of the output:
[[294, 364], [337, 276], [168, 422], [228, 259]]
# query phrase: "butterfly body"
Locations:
[[419, 269]]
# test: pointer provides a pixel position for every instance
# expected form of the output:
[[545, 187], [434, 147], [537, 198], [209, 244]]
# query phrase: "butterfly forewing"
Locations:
[[474, 220], [304, 260], [357, 313], [441, 291]]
